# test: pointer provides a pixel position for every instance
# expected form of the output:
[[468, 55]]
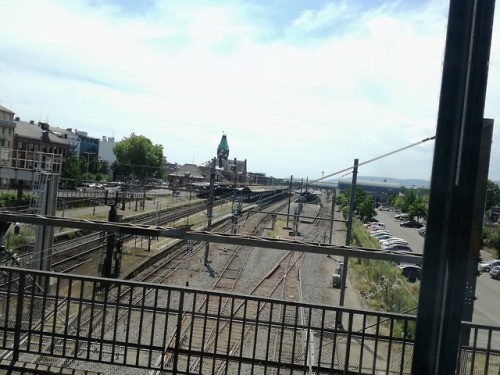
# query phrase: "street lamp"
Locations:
[[88, 156]]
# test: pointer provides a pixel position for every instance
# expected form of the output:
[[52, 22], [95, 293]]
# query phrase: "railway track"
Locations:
[[278, 282], [207, 336], [71, 254], [166, 271]]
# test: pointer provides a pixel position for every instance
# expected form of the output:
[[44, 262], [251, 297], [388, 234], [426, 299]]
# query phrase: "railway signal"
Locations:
[[112, 260]]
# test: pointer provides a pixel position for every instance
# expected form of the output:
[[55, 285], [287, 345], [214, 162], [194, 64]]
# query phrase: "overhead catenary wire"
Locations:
[[376, 158]]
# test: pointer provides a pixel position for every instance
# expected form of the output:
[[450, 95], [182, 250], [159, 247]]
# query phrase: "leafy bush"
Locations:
[[492, 239], [381, 283]]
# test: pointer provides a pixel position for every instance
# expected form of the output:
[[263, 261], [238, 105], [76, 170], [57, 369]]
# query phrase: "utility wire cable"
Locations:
[[376, 158]]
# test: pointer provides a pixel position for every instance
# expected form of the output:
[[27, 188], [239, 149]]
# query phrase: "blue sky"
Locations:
[[298, 87]]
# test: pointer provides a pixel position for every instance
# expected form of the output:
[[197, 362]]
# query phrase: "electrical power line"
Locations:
[[376, 158]]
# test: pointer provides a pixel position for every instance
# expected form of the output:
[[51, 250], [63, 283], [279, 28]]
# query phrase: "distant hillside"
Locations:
[[407, 183], [417, 183]]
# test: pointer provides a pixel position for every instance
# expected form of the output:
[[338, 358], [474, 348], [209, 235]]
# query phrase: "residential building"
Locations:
[[185, 176], [89, 146], [73, 139], [7, 127], [106, 153], [35, 147]]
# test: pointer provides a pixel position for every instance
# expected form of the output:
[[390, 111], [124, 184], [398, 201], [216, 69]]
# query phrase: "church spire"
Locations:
[[222, 150]]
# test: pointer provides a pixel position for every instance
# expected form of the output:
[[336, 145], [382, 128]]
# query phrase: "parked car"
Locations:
[[398, 247], [383, 237], [373, 225], [495, 272], [487, 266], [401, 216], [411, 272], [411, 224], [387, 245], [394, 241], [421, 231]]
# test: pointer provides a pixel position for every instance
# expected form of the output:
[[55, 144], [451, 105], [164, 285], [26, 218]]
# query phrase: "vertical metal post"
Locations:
[[45, 234], [157, 213], [450, 225], [334, 198], [348, 238], [113, 247], [3, 229], [289, 203], [210, 207], [110, 244], [479, 201], [19, 315]]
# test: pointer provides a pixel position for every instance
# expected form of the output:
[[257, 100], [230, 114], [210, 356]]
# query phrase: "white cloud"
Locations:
[[335, 83]]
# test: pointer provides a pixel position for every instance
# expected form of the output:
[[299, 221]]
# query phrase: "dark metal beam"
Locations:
[[453, 185], [142, 230], [301, 216], [234, 239], [479, 201]]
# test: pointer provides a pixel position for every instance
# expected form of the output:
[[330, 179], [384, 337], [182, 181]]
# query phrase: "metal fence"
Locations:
[[124, 327]]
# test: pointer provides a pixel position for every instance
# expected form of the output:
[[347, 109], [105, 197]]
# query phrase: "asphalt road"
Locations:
[[487, 306]]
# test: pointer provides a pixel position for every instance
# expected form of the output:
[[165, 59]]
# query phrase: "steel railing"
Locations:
[[123, 325]]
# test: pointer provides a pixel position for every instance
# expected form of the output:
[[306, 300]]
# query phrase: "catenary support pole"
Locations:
[[289, 203], [210, 207], [348, 238], [479, 201], [334, 198], [451, 219]]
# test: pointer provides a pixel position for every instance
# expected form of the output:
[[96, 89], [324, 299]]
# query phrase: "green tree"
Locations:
[[120, 171], [493, 238], [492, 195], [363, 203], [141, 156], [71, 169], [342, 201], [366, 207], [418, 209], [398, 202]]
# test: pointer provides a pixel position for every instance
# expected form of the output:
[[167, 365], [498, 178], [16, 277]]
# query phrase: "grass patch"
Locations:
[[380, 283], [278, 225], [361, 237]]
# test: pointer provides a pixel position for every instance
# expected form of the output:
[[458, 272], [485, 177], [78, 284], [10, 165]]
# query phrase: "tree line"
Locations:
[[137, 158], [415, 202]]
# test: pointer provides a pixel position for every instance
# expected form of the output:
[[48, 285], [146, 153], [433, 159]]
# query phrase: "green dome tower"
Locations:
[[222, 151]]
